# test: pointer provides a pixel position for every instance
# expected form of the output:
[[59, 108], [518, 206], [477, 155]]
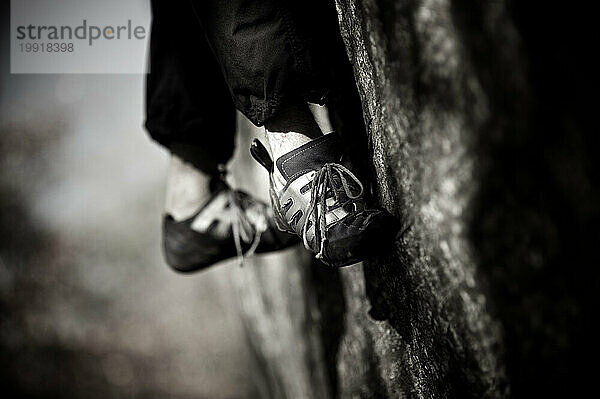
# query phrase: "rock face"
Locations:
[[492, 174], [424, 108]]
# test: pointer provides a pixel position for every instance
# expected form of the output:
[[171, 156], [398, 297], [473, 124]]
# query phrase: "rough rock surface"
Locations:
[[424, 106], [486, 292]]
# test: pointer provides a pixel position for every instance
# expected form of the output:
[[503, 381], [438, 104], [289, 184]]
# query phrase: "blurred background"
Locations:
[[87, 307]]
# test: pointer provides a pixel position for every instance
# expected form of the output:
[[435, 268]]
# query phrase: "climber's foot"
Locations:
[[230, 223], [322, 202]]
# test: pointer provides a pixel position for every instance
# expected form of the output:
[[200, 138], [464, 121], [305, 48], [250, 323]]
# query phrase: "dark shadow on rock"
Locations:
[[535, 218]]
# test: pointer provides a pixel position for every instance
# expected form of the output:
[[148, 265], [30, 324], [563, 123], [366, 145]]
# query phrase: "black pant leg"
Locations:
[[272, 52], [189, 108]]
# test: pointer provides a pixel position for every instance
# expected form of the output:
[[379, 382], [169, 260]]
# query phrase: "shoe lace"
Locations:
[[323, 184], [249, 222]]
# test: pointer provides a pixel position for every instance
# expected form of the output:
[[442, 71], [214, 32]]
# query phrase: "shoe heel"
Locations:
[[261, 155]]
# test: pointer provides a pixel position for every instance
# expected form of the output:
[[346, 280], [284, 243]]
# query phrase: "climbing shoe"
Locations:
[[321, 201], [231, 223]]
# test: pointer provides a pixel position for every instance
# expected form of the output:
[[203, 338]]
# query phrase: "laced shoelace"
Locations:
[[249, 219], [322, 182]]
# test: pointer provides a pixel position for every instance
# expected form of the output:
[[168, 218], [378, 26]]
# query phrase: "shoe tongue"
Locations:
[[310, 156]]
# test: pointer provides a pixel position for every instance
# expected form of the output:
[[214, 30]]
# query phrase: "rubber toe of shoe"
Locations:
[[186, 250], [274, 240], [360, 236]]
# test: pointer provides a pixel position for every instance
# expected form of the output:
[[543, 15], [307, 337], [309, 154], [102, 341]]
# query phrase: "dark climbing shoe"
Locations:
[[322, 202], [231, 223]]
